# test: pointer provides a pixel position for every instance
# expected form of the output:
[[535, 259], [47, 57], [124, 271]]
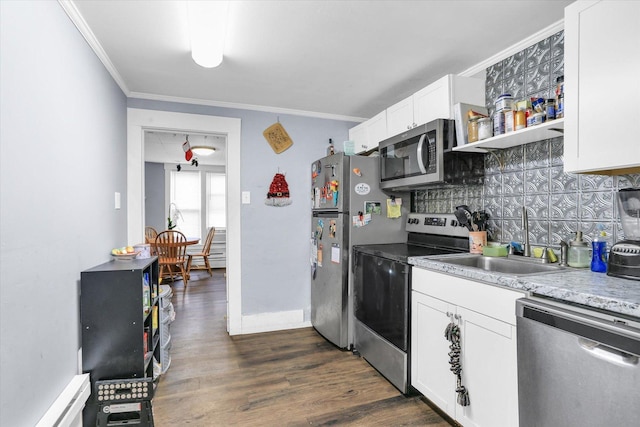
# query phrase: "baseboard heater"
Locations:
[[66, 410]]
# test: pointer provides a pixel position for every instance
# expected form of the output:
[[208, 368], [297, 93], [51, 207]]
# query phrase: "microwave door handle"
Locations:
[[421, 165]]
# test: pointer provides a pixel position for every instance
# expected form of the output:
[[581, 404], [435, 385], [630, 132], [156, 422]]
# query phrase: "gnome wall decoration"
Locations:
[[278, 194]]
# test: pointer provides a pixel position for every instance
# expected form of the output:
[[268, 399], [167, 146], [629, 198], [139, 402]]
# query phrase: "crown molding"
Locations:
[[76, 17], [266, 109], [513, 49]]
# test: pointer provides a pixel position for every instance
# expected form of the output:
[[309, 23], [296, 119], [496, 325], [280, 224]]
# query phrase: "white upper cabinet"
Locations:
[[367, 135], [435, 101], [602, 87], [400, 117]]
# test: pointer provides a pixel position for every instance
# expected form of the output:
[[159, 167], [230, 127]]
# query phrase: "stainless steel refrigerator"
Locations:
[[348, 208]]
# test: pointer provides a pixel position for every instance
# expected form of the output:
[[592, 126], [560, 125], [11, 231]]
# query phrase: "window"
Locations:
[[216, 200], [197, 200]]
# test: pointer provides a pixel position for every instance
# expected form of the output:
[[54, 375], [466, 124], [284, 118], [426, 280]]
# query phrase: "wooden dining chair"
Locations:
[[204, 253], [150, 235], [171, 247]]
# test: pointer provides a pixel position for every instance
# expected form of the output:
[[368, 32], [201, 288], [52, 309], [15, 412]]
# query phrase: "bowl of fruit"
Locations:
[[124, 253]]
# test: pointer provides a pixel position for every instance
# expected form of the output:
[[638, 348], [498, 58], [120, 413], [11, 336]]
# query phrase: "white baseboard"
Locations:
[[66, 411], [269, 322]]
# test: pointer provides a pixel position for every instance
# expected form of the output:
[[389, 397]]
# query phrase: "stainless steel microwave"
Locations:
[[423, 157]]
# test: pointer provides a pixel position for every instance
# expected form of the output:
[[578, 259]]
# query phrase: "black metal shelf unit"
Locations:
[[119, 317]]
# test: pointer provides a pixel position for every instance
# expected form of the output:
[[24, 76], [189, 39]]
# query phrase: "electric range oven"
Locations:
[[382, 292]]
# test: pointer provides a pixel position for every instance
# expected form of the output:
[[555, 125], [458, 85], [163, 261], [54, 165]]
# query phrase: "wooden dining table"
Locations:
[[190, 241]]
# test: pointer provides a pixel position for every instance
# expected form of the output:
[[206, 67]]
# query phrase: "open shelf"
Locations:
[[546, 130]]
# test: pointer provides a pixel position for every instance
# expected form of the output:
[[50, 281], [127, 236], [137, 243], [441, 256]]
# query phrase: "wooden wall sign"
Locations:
[[277, 137]]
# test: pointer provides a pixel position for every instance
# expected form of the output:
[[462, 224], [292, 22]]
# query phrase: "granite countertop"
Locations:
[[575, 285]]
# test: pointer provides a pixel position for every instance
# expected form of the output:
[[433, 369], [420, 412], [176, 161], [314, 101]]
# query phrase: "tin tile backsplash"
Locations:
[[532, 175]]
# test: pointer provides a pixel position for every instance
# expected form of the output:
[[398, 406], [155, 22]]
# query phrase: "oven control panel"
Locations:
[[442, 224]]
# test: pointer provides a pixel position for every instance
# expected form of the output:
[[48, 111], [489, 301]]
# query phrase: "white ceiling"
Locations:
[[166, 147], [340, 59]]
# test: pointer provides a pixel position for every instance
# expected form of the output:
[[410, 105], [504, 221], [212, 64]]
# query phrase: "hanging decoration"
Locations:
[[452, 334], [277, 137], [188, 154], [278, 194], [186, 147]]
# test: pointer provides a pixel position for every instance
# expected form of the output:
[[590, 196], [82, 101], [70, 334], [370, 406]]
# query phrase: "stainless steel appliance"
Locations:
[[576, 367], [348, 209], [423, 156], [382, 292], [624, 257]]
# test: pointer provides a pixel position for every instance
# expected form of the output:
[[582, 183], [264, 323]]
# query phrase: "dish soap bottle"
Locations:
[[579, 252], [599, 246]]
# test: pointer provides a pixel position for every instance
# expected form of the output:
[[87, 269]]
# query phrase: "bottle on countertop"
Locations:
[[579, 252], [599, 254], [330, 149]]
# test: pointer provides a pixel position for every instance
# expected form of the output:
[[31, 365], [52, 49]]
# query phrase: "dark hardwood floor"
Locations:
[[287, 378]]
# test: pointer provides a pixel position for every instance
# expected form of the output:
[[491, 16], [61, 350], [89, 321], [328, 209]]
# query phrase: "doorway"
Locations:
[[138, 121]]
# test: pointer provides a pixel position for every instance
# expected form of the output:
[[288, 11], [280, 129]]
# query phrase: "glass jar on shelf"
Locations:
[[472, 129], [485, 128]]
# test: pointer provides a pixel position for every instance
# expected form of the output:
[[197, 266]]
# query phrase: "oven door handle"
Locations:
[[421, 165]]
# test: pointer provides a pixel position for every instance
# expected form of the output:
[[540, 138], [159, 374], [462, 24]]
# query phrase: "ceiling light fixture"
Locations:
[[203, 149], [207, 30]]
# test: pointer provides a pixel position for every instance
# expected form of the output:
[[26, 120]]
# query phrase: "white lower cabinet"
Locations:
[[486, 317]]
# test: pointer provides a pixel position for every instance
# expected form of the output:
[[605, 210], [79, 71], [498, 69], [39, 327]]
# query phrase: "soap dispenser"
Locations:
[[579, 252], [599, 247]]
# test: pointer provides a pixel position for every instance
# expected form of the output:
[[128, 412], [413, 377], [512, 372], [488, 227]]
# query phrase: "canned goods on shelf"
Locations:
[[537, 119], [550, 109], [520, 120], [509, 121], [498, 123], [560, 85], [559, 107], [504, 102], [538, 105]]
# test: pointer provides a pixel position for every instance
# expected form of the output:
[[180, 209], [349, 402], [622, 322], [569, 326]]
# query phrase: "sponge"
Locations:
[[495, 250], [537, 253]]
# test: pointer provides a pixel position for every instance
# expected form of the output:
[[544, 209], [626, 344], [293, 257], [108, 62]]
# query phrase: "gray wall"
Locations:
[[154, 197], [60, 111], [558, 203], [275, 240]]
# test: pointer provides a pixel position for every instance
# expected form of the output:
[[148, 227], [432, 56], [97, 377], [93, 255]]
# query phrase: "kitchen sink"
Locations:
[[516, 266]]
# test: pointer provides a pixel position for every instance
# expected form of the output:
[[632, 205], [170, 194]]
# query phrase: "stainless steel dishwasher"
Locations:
[[576, 367]]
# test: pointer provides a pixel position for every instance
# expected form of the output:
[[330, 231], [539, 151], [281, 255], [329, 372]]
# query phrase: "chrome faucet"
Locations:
[[525, 226]]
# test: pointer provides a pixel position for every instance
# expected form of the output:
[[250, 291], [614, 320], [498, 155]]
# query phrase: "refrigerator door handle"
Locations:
[[421, 165]]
